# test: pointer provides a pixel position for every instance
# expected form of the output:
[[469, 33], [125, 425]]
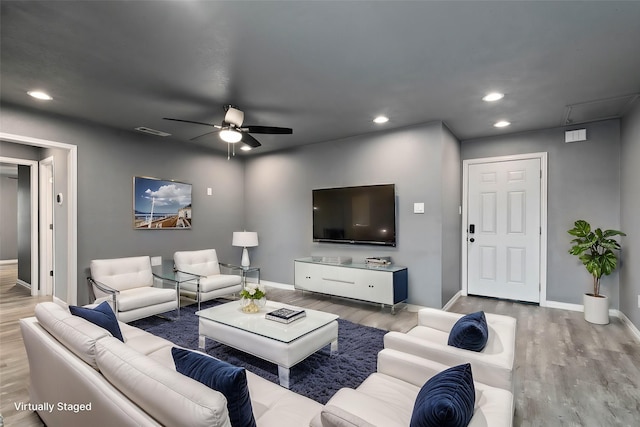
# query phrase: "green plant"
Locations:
[[595, 250], [253, 291]]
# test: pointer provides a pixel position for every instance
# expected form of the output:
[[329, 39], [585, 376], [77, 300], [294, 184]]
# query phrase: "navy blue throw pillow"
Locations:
[[446, 400], [229, 380], [470, 332], [102, 315]]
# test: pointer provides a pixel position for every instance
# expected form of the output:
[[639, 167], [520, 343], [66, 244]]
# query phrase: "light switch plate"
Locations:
[[209, 191], [418, 208]]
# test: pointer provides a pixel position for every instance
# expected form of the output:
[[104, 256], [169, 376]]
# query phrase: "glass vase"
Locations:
[[252, 305]]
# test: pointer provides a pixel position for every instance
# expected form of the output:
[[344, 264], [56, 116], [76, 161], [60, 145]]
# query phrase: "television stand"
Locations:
[[386, 285]]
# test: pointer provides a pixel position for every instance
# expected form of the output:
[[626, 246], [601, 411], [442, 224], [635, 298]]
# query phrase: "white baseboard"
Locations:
[[453, 299], [277, 285], [635, 331], [23, 283], [8, 261], [564, 306]]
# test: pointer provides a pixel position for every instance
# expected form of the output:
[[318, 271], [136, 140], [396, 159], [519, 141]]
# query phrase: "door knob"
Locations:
[[472, 240]]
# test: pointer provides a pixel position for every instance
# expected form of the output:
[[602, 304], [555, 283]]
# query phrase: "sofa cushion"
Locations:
[[470, 332], [75, 333], [230, 380], [132, 299], [446, 399], [212, 283], [166, 395], [102, 315]]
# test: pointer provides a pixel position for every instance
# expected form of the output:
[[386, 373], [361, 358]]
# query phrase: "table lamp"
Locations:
[[245, 239]]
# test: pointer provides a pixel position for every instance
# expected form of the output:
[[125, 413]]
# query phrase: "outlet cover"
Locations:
[[418, 208]]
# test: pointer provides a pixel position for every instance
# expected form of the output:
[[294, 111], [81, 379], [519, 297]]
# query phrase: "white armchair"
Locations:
[[492, 366], [212, 283], [387, 397], [128, 285]]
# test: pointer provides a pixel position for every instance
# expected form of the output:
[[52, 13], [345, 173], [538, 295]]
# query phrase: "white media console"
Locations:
[[386, 285]]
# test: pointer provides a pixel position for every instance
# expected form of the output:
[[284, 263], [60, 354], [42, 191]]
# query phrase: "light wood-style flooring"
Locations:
[[568, 372], [16, 302]]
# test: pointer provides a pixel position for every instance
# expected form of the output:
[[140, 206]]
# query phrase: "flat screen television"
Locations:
[[356, 215]]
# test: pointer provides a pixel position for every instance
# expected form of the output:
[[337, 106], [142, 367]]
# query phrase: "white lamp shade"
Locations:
[[245, 239]]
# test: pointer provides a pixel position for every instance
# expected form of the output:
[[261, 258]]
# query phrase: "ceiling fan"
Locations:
[[231, 130]]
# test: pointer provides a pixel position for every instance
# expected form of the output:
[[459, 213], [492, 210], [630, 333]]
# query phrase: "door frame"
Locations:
[[34, 286], [72, 204], [542, 156], [47, 245]]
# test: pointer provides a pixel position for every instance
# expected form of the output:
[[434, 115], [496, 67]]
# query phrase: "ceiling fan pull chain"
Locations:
[[228, 151]]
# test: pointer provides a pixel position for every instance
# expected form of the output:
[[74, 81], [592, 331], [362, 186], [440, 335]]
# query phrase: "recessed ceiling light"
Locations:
[[245, 148], [40, 95], [381, 119], [502, 123], [493, 96]]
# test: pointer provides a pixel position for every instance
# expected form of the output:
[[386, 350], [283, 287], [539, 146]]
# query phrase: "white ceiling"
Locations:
[[323, 68]]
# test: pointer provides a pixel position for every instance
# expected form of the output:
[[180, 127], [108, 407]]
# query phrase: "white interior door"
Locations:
[[504, 229]]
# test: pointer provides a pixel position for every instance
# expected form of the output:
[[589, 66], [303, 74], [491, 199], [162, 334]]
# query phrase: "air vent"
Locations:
[[151, 131], [600, 109]]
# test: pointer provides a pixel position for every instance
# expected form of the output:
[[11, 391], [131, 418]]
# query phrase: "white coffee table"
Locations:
[[279, 343]]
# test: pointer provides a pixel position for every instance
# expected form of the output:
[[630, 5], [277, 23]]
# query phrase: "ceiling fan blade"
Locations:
[[188, 121], [268, 129], [250, 141], [204, 134]]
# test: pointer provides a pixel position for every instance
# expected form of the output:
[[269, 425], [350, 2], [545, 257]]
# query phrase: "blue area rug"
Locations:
[[318, 377]]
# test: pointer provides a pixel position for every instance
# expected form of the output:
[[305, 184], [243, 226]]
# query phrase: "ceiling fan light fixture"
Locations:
[[502, 124], [231, 136], [381, 119]]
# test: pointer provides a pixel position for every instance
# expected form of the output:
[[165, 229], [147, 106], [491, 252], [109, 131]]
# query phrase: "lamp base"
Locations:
[[245, 258]]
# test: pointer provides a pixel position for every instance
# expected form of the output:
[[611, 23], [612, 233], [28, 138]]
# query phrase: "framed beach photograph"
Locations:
[[161, 204]]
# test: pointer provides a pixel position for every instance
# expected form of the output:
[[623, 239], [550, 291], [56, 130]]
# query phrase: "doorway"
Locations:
[[67, 262], [504, 227]]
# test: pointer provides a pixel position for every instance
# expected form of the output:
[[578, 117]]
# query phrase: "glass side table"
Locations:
[[166, 271], [244, 271]]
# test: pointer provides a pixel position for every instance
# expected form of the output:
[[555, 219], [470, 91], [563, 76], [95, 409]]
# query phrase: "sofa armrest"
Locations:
[[408, 367], [493, 370], [437, 319], [334, 416], [107, 290]]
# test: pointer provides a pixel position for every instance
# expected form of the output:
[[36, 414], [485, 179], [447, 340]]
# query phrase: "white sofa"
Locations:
[[212, 283], [386, 398], [74, 362]]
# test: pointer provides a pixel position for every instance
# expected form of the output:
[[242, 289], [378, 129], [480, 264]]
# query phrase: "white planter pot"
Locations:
[[596, 309]]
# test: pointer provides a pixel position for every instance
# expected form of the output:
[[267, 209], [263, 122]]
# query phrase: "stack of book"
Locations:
[[285, 315]]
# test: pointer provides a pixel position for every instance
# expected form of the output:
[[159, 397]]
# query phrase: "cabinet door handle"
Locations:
[[336, 280]]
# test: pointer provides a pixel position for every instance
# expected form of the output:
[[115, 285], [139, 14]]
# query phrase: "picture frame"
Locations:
[[160, 204]]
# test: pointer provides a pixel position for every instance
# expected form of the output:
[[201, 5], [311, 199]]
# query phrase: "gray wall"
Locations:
[[278, 190], [583, 183], [451, 216], [8, 218], [107, 162], [630, 268], [60, 219]]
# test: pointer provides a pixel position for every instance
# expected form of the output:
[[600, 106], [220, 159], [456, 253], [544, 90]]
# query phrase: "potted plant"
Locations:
[[595, 249]]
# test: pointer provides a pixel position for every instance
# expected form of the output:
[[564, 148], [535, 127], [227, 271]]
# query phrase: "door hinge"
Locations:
[[50, 226], [51, 273]]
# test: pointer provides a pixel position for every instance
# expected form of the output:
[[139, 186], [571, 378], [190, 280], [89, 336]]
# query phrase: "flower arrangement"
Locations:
[[253, 291]]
